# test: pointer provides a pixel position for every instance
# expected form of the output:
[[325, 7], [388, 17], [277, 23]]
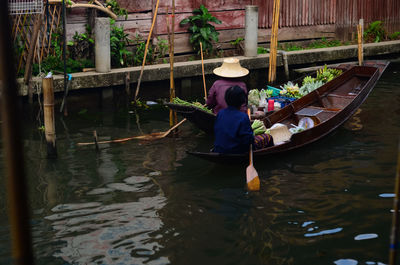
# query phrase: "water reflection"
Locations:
[[117, 233], [151, 203]]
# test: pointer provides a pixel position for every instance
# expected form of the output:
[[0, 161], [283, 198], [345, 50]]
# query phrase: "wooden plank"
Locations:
[[135, 6]]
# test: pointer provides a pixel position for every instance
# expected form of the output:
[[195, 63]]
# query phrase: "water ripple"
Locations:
[[324, 232], [120, 233]]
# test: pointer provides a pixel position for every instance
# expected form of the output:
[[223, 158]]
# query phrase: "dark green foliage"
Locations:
[[116, 9], [324, 43], [201, 30], [119, 42], [395, 35], [262, 50], [82, 45], [375, 32]]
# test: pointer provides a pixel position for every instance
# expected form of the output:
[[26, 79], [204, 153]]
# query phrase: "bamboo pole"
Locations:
[[202, 70], [360, 33], [145, 51], [274, 42], [395, 219], [29, 60], [171, 40], [17, 199], [49, 125]]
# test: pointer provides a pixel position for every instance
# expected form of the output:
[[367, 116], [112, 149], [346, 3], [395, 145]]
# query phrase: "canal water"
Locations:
[[151, 203]]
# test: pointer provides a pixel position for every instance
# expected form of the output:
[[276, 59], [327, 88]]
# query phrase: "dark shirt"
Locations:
[[233, 133], [216, 95]]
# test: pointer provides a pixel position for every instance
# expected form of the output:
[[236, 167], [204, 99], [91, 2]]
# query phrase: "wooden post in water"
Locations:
[[16, 184], [394, 236], [49, 125], [274, 43], [173, 119], [360, 37]]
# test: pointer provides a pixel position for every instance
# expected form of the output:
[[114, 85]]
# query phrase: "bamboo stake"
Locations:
[[29, 60], [274, 42], [172, 114], [202, 70], [360, 29], [395, 219], [145, 51], [49, 125]]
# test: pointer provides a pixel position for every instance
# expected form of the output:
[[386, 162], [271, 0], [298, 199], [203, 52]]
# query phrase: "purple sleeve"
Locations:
[[212, 97]]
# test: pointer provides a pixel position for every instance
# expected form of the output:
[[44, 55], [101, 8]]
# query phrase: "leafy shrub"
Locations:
[[118, 44], [375, 32], [201, 30], [395, 35]]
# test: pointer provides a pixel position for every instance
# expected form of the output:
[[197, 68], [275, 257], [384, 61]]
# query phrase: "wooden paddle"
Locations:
[[147, 137], [252, 179]]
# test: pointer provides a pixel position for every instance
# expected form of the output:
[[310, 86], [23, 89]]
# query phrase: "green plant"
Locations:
[[201, 30], [81, 45], [138, 51], [375, 32], [323, 43], [395, 35], [262, 50], [236, 43], [118, 44], [292, 47], [160, 49], [116, 9]]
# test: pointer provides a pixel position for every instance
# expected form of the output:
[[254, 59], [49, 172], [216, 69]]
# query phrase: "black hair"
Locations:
[[235, 96]]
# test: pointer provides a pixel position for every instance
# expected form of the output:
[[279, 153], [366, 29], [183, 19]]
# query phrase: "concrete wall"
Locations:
[[189, 69]]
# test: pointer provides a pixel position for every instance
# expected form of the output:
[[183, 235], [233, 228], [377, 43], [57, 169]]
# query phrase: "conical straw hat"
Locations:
[[231, 68]]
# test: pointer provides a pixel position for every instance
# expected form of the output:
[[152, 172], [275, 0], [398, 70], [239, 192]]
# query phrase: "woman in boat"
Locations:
[[231, 72], [233, 132]]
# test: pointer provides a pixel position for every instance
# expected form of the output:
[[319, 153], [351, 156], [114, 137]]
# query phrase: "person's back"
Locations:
[[231, 71], [233, 133], [216, 95]]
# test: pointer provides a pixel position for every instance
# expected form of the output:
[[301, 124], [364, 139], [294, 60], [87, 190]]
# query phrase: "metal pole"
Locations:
[[394, 237], [18, 212], [64, 46]]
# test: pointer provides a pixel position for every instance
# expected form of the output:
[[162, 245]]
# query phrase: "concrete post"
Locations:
[[251, 31], [102, 44]]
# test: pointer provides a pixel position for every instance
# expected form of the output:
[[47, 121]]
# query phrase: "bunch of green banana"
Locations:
[[258, 127]]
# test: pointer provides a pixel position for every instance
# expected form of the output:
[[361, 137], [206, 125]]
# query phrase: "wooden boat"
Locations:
[[205, 120], [330, 106], [202, 119]]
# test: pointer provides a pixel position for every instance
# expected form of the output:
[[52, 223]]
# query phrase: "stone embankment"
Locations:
[[159, 72]]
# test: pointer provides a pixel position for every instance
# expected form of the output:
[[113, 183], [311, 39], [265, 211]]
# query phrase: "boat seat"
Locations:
[[317, 114]]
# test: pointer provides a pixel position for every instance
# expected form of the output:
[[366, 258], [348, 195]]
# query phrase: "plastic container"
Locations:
[[283, 100], [275, 91], [270, 104]]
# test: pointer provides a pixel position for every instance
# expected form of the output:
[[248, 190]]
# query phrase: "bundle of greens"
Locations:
[[254, 97], [327, 74], [309, 85], [290, 90], [258, 127], [192, 104]]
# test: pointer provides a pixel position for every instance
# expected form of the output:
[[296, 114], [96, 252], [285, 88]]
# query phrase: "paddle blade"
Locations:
[[253, 181]]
